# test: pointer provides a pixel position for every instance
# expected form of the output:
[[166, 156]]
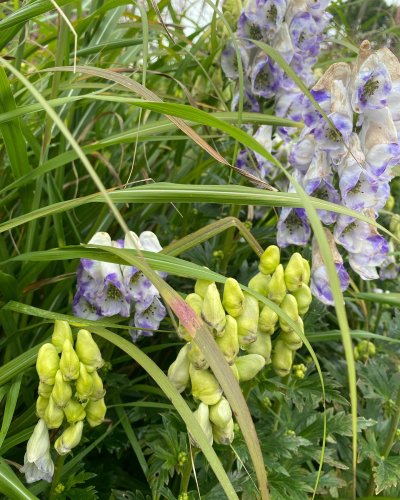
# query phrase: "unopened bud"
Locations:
[[262, 346], [62, 391], [303, 297], [201, 286], [224, 435], [282, 358], [233, 298], [259, 283], [229, 342], [44, 390], [70, 438], [247, 322], [39, 442], [178, 372], [299, 371], [47, 363], [291, 338], [307, 272], [74, 411], [196, 357], [221, 413], [84, 383], [53, 416], [61, 332], [88, 351], [390, 203], [267, 320], [289, 306], [95, 412], [277, 286], [212, 311], [205, 386], [195, 302], [98, 389], [69, 364], [234, 371], [202, 416], [269, 260], [41, 405], [249, 365], [295, 272]]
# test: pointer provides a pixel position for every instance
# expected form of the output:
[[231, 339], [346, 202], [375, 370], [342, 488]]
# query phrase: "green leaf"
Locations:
[[386, 474], [11, 486], [29, 11], [8, 286], [9, 409]]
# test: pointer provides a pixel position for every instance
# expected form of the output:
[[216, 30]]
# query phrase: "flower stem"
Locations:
[[187, 473], [57, 476]]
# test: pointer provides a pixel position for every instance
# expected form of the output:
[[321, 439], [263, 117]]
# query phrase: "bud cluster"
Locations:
[[70, 389], [239, 321], [364, 350]]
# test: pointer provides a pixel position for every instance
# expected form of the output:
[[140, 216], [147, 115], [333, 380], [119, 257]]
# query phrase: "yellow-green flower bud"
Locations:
[[224, 435], [205, 386], [53, 415], [289, 306], [267, 320], [195, 302], [229, 342], [69, 364], [235, 371], [196, 357], [295, 272], [47, 363], [277, 286], [84, 383], [70, 438], [88, 351], [247, 322], [259, 283], [262, 346], [62, 332], [41, 405], [74, 411], [233, 298], [390, 203], [202, 416], [269, 260], [282, 358], [178, 372], [98, 389], [299, 371], [95, 412], [303, 297], [221, 413], [249, 365], [44, 390], [200, 287], [307, 272], [212, 311], [62, 391], [291, 338]]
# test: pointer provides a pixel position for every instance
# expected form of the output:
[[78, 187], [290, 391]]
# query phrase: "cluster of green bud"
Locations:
[[364, 350], [239, 322], [70, 388], [288, 288], [299, 371]]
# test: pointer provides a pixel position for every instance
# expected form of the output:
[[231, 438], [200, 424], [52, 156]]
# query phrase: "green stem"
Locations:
[[187, 471], [57, 476]]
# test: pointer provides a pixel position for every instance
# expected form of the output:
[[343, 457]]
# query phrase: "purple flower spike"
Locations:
[[305, 33], [249, 102], [320, 286], [82, 308], [149, 318], [266, 13], [265, 78], [293, 227], [372, 85]]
